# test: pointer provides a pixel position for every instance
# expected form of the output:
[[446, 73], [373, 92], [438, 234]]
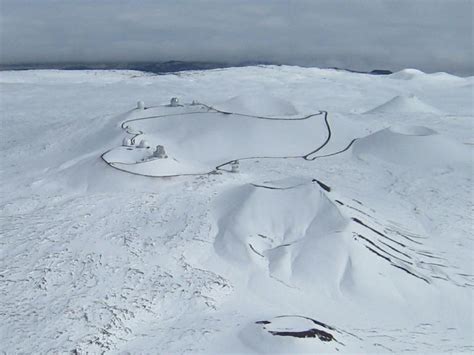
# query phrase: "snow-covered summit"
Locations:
[[404, 104]]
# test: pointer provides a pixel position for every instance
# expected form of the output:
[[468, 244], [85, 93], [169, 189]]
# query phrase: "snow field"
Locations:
[[366, 250]]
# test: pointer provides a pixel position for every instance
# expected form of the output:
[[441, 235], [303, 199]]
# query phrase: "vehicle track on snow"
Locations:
[[308, 157], [395, 257]]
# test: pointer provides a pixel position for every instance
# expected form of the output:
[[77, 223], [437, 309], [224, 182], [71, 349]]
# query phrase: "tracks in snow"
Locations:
[[221, 167]]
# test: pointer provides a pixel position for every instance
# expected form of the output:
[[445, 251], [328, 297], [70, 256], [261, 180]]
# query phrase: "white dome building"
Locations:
[[174, 102], [143, 144], [127, 142]]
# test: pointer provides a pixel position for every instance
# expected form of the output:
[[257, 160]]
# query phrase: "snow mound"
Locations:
[[415, 146], [295, 232], [258, 104], [404, 104], [407, 74], [290, 229], [414, 74]]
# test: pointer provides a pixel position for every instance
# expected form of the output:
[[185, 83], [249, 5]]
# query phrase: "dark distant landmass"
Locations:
[[373, 72], [173, 66]]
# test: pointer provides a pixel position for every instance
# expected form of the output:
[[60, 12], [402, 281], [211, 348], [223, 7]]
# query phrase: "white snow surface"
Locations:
[[404, 104], [258, 103], [407, 74], [417, 146], [342, 232]]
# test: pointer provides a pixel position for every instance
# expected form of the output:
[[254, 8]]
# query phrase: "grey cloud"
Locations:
[[431, 35]]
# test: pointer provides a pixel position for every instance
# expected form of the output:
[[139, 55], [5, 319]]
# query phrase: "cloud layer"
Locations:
[[431, 35]]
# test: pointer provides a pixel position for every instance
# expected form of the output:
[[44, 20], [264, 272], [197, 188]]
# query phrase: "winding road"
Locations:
[[309, 156], [398, 249]]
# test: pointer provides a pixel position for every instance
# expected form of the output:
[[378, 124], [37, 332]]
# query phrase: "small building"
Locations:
[[234, 167], [127, 142], [160, 152], [143, 144], [174, 102]]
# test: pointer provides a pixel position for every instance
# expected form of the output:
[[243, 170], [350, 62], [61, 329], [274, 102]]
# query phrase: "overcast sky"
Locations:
[[431, 35]]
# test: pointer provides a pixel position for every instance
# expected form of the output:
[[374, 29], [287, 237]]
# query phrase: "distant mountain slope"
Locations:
[[171, 66]]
